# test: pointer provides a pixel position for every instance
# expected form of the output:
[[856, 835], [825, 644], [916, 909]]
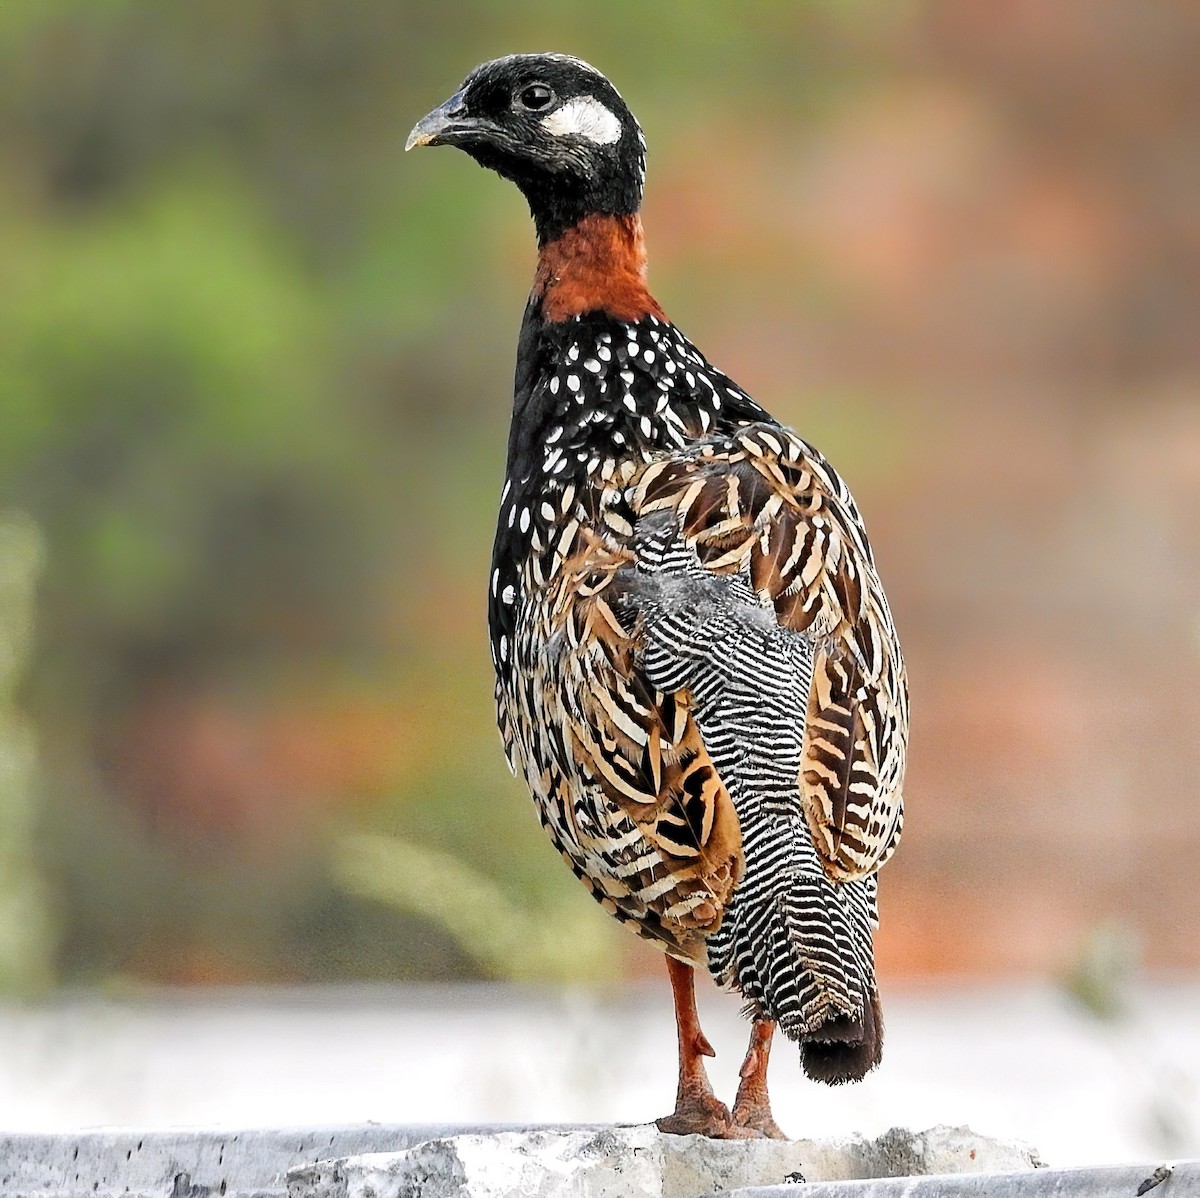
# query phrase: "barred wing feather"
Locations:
[[755, 582]]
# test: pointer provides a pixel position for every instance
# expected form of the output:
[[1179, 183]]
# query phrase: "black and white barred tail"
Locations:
[[798, 947]]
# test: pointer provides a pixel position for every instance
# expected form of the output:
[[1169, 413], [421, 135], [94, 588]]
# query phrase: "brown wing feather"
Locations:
[[764, 502], [644, 750], [625, 783]]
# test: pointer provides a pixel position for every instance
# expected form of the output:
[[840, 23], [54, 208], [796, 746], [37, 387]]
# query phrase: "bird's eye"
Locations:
[[535, 97]]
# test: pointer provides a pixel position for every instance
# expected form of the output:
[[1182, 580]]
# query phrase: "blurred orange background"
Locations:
[[255, 387]]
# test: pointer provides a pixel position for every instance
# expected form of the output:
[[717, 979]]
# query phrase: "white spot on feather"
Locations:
[[586, 117]]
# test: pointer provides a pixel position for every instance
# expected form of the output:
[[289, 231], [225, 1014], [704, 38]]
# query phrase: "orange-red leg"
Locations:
[[752, 1107], [698, 1111]]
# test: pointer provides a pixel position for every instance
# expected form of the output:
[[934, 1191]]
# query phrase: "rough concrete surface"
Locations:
[[638, 1162], [1178, 1180], [195, 1163], [631, 1162], [426, 1161]]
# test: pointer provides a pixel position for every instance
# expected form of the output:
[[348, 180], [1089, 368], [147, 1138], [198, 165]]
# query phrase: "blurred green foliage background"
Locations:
[[254, 386]]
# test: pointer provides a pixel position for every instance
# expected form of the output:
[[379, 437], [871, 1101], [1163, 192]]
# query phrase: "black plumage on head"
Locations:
[[553, 125]]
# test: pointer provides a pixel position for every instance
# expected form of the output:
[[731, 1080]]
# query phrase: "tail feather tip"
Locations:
[[844, 1050]]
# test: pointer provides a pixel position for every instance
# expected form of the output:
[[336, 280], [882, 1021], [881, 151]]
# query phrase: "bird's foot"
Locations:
[[752, 1107], [756, 1118], [699, 1114]]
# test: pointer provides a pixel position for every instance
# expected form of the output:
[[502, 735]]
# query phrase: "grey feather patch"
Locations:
[[796, 944]]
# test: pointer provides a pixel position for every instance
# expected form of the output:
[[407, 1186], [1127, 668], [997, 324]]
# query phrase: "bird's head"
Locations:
[[554, 126]]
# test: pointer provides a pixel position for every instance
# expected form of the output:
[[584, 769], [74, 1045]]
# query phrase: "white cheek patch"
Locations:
[[585, 117]]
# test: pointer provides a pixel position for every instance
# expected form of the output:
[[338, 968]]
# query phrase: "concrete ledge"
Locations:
[[639, 1162], [625, 1162], [193, 1162], [317, 1161], [1178, 1180], [407, 1161]]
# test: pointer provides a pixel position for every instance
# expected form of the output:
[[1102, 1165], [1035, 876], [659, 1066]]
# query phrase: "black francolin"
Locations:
[[696, 668]]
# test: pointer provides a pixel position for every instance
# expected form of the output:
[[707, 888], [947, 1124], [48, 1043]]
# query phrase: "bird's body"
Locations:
[[696, 669]]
